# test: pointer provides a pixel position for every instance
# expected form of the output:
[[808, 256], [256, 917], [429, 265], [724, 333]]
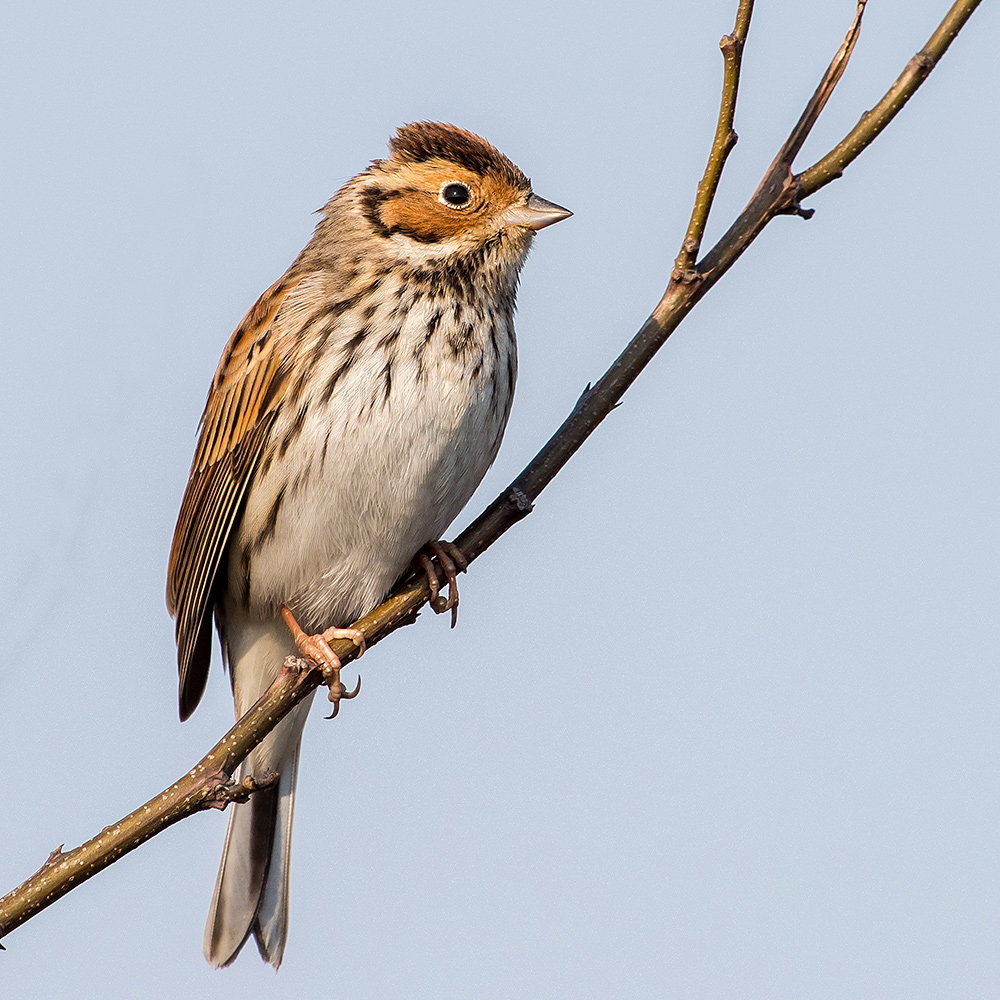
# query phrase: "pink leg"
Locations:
[[317, 648]]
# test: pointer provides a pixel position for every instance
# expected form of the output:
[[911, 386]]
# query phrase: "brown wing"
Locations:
[[240, 411]]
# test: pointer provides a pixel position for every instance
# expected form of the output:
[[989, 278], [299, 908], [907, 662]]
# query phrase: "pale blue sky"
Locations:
[[720, 718]]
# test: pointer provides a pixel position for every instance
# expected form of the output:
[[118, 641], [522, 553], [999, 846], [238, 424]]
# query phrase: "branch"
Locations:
[[209, 784]]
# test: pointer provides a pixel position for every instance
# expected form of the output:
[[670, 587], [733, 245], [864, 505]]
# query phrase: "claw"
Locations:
[[343, 695], [338, 691], [452, 560]]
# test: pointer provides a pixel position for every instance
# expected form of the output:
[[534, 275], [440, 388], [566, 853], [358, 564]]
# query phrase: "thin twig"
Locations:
[[722, 145], [210, 782]]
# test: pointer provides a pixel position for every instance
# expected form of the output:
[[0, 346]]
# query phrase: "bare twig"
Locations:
[[209, 784], [722, 145]]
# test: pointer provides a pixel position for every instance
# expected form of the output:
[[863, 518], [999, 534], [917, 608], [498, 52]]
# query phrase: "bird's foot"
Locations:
[[317, 648], [452, 560]]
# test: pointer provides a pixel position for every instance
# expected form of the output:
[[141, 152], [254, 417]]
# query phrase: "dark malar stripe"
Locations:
[[414, 234]]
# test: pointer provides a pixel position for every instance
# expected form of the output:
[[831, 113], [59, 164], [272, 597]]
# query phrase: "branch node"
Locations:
[[236, 791], [921, 64], [518, 500], [794, 208], [53, 858], [583, 397], [683, 275]]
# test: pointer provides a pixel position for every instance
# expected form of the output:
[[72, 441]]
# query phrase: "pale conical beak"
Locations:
[[536, 213]]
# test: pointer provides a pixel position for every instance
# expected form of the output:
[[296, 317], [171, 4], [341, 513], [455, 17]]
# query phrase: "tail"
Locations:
[[251, 891]]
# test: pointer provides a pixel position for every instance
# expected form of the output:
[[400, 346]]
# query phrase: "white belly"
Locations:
[[373, 475]]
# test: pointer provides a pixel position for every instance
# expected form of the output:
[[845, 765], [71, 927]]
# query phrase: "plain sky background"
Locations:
[[720, 719]]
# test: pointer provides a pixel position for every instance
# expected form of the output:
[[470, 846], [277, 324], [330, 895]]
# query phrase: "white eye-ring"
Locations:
[[454, 195]]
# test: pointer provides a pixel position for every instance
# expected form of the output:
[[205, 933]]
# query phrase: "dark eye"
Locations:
[[455, 194]]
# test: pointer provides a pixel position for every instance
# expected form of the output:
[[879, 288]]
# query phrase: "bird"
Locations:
[[354, 411]]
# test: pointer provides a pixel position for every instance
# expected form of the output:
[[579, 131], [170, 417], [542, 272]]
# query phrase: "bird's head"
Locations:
[[444, 191]]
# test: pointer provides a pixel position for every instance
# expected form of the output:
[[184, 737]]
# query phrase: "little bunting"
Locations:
[[355, 410]]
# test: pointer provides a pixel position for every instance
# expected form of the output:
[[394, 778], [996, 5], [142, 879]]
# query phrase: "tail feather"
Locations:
[[243, 872], [251, 891], [271, 926]]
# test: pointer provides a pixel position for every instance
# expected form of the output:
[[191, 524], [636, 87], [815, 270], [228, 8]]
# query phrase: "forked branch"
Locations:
[[209, 784]]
